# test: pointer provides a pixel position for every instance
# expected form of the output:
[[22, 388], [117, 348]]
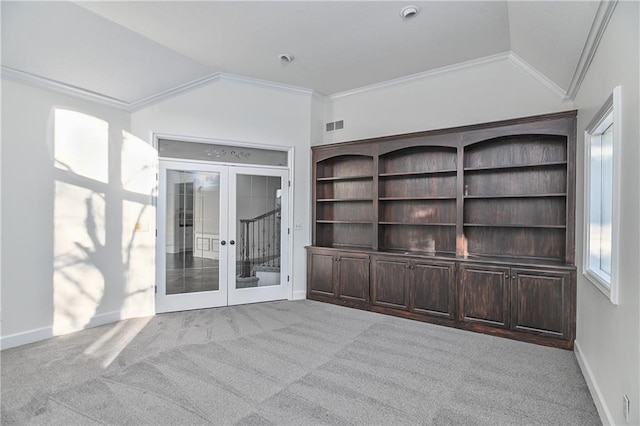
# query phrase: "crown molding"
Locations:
[[59, 87], [533, 72], [266, 84], [174, 91], [78, 92], [509, 56], [598, 27], [422, 75]]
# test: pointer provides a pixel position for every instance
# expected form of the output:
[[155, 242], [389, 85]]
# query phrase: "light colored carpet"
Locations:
[[285, 362]]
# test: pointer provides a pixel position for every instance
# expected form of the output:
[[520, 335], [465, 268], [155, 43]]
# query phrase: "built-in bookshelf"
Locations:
[[471, 227]]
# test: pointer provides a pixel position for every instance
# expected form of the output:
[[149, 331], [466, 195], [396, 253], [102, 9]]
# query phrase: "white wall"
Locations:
[[608, 336], [74, 186], [490, 91], [243, 112]]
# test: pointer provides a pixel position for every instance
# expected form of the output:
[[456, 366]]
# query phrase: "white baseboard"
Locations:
[[299, 295], [32, 336], [601, 405], [25, 337]]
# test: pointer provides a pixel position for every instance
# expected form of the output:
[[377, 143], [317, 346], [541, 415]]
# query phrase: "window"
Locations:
[[602, 186]]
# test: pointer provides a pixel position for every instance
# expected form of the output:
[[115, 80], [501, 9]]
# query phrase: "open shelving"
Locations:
[[417, 199], [344, 201], [515, 196]]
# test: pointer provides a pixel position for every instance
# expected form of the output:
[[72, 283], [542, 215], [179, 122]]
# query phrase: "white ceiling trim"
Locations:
[[266, 83], [533, 72], [183, 88], [598, 27], [59, 87], [67, 89], [174, 91], [422, 75]]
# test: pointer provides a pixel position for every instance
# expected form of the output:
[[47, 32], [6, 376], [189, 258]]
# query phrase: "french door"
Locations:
[[222, 235]]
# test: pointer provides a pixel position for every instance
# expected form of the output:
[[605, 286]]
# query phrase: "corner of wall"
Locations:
[[592, 384]]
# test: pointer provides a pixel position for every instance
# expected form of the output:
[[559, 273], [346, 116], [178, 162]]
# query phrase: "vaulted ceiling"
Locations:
[[130, 51]]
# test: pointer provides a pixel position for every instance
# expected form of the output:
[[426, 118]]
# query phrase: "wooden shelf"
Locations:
[[417, 173], [416, 198], [515, 166], [348, 246], [339, 178], [550, 195], [363, 222], [341, 200], [416, 224], [507, 225]]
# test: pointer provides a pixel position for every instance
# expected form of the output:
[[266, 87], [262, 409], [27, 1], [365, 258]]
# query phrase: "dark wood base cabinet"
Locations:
[[471, 227], [533, 301], [339, 277], [416, 286], [532, 304]]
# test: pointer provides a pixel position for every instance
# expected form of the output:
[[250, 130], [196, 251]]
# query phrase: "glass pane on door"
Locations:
[[258, 229], [192, 232]]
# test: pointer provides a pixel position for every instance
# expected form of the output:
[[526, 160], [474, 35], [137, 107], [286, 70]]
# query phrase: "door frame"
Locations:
[[290, 188]]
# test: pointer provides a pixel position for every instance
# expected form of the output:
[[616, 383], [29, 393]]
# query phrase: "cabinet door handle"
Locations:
[[513, 277], [223, 243], [232, 242], [506, 276]]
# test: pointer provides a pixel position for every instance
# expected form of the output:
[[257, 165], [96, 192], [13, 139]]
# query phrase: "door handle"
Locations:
[[223, 242], [232, 242]]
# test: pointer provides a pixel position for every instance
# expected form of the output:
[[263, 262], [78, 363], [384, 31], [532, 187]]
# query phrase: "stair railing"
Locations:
[[260, 241]]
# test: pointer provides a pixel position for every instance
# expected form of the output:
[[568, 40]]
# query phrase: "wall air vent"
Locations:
[[334, 125]]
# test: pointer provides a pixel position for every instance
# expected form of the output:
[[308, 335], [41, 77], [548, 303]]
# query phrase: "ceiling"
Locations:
[[130, 51]]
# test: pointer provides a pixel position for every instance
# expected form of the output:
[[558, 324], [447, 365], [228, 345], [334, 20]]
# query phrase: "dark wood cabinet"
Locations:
[[320, 275], [433, 288], [343, 276], [484, 295], [541, 301], [390, 283], [413, 285], [353, 277], [471, 227], [525, 299]]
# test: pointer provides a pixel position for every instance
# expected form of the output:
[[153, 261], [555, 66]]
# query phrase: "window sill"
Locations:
[[600, 284]]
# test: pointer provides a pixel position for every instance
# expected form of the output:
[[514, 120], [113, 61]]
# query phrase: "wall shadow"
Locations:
[[103, 223]]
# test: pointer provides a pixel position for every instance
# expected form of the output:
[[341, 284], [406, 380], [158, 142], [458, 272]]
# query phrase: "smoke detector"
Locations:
[[286, 58], [409, 12]]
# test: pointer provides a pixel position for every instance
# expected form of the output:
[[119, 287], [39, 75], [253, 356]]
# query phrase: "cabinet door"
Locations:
[[390, 286], [541, 301], [432, 287], [484, 294], [320, 273], [353, 277]]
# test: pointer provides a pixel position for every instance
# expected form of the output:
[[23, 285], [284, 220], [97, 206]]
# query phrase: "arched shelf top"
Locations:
[[520, 149], [415, 159], [345, 166]]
